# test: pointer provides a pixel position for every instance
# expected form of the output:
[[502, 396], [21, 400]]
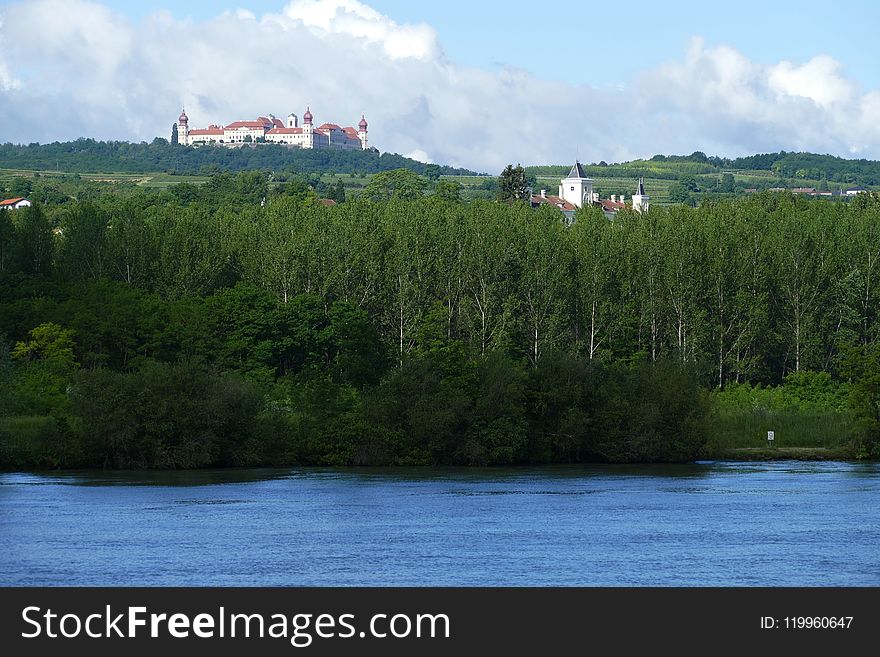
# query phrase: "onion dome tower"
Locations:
[[183, 128], [308, 129], [362, 132]]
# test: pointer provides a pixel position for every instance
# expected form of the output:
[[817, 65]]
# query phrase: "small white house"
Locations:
[[14, 203]]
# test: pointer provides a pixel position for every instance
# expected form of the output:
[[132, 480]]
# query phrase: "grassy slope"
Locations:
[[606, 180], [148, 179]]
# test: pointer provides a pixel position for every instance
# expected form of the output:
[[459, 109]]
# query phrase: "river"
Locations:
[[707, 524]]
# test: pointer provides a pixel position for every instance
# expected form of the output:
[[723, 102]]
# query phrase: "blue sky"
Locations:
[[474, 84]]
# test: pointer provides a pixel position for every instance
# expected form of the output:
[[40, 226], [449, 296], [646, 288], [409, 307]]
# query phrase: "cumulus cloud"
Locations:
[[7, 82], [820, 80], [72, 68], [419, 155], [355, 19], [719, 96]]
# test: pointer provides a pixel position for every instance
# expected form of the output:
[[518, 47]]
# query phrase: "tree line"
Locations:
[[90, 156], [395, 329]]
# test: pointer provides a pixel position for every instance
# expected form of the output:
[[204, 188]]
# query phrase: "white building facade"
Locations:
[[270, 129], [640, 199], [577, 188], [576, 191], [14, 203]]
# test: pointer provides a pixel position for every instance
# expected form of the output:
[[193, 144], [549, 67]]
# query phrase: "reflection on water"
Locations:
[[780, 523]]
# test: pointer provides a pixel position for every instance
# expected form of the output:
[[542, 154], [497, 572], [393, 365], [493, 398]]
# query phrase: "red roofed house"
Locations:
[[568, 209], [15, 203], [612, 205], [269, 129]]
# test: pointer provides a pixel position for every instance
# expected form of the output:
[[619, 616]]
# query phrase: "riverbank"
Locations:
[[731, 456], [748, 454]]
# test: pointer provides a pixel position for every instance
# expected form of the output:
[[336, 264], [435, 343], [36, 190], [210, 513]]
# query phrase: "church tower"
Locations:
[[640, 199], [362, 132], [577, 189], [183, 128], [292, 121], [308, 129]]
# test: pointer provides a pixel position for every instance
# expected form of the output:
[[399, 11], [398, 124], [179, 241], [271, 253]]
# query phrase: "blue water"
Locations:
[[782, 523]]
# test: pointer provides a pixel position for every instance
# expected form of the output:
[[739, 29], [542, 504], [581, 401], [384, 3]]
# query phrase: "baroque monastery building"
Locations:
[[272, 130]]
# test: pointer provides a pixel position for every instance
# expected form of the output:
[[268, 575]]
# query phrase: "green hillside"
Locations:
[[88, 156], [691, 179]]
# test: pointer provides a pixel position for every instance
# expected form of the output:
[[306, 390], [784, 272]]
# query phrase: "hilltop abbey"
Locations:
[[271, 130]]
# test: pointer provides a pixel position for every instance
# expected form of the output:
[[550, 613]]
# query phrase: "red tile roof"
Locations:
[[328, 202], [329, 126], [12, 201], [611, 206], [285, 131], [560, 203], [206, 131], [259, 123]]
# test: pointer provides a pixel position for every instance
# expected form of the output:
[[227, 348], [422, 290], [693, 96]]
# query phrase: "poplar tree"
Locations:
[[512, 184]]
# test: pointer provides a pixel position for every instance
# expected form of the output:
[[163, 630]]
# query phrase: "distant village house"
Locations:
[[812, 191], [15, 203]]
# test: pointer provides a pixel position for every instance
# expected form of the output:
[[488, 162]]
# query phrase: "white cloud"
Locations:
[[819, 79], [72, 68], [419, 155], [355, 19], [244, 14], [7, 82], [729, 104]]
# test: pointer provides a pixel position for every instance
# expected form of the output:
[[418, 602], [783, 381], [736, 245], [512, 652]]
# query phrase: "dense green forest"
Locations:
[[811, 165], [230, 325], [88, 155]]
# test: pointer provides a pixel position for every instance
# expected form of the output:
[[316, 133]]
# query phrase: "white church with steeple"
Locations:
[[577, 188], [640, 199], [576, 191]]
